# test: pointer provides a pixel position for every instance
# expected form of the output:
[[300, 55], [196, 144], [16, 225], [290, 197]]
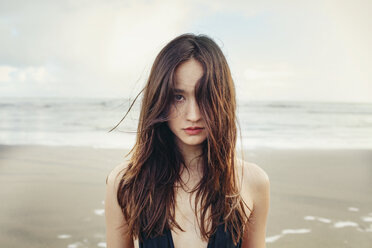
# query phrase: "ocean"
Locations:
[[264, 124]]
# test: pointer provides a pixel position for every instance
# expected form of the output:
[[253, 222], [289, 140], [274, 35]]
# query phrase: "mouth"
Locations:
[[194, 128]]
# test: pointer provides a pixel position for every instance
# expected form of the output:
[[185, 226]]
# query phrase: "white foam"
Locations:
[[99, 211], [353, 209], [295, 231], [321, 219], [272, 239], [367, 229], [367, 219], [64, 236], [341, 224], [309, 217], [74, 245], [101, 244], [324, 220]]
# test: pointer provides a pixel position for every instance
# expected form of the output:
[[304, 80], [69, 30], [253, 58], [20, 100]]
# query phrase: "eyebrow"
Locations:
[[179, 91]]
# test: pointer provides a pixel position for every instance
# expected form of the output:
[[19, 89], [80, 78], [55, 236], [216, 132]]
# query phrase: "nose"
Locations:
[[192, 111]]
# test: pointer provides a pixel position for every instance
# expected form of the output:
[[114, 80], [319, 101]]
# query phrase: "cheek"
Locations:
[[173, 123], [174, 115], [172, 120]]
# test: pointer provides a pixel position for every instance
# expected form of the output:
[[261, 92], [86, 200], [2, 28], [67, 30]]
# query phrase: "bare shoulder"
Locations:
[[254, 179], [255, 173], [117, 234], [252, 171], [116, 173], [257, 185]]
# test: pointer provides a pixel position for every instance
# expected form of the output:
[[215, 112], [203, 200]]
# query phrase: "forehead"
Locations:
[[188, 74]]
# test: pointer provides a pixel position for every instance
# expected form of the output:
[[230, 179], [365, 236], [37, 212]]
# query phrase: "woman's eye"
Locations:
[[178, 97]]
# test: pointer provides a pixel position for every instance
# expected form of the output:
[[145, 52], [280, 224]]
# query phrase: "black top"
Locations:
[[218, 240]]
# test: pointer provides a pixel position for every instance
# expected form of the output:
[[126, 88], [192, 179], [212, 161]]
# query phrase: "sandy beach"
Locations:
[[53, 196]]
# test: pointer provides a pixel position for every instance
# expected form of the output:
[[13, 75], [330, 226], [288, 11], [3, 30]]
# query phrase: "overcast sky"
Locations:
[[277, 50]]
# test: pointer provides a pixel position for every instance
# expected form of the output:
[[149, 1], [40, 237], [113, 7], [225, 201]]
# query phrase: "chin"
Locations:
[[195, 142]]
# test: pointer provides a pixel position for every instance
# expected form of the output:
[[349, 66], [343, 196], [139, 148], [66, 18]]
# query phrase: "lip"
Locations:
[[194, 128]]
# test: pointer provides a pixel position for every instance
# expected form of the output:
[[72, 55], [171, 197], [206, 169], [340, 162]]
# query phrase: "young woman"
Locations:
[[183, 185]]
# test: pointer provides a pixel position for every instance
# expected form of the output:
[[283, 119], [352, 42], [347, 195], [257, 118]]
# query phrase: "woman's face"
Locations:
[[184, 112]]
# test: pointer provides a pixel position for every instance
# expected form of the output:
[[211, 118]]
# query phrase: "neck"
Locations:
[[193, 162], [191, 155]]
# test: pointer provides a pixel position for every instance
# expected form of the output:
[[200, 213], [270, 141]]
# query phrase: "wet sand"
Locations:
[[53, 196]]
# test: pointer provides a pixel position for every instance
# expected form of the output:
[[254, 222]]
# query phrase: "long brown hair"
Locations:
[[146, 191]]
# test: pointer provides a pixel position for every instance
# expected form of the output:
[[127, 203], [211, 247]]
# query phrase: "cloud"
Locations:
[[28, 74], [87, 43], [276, 49], [5, 73]]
